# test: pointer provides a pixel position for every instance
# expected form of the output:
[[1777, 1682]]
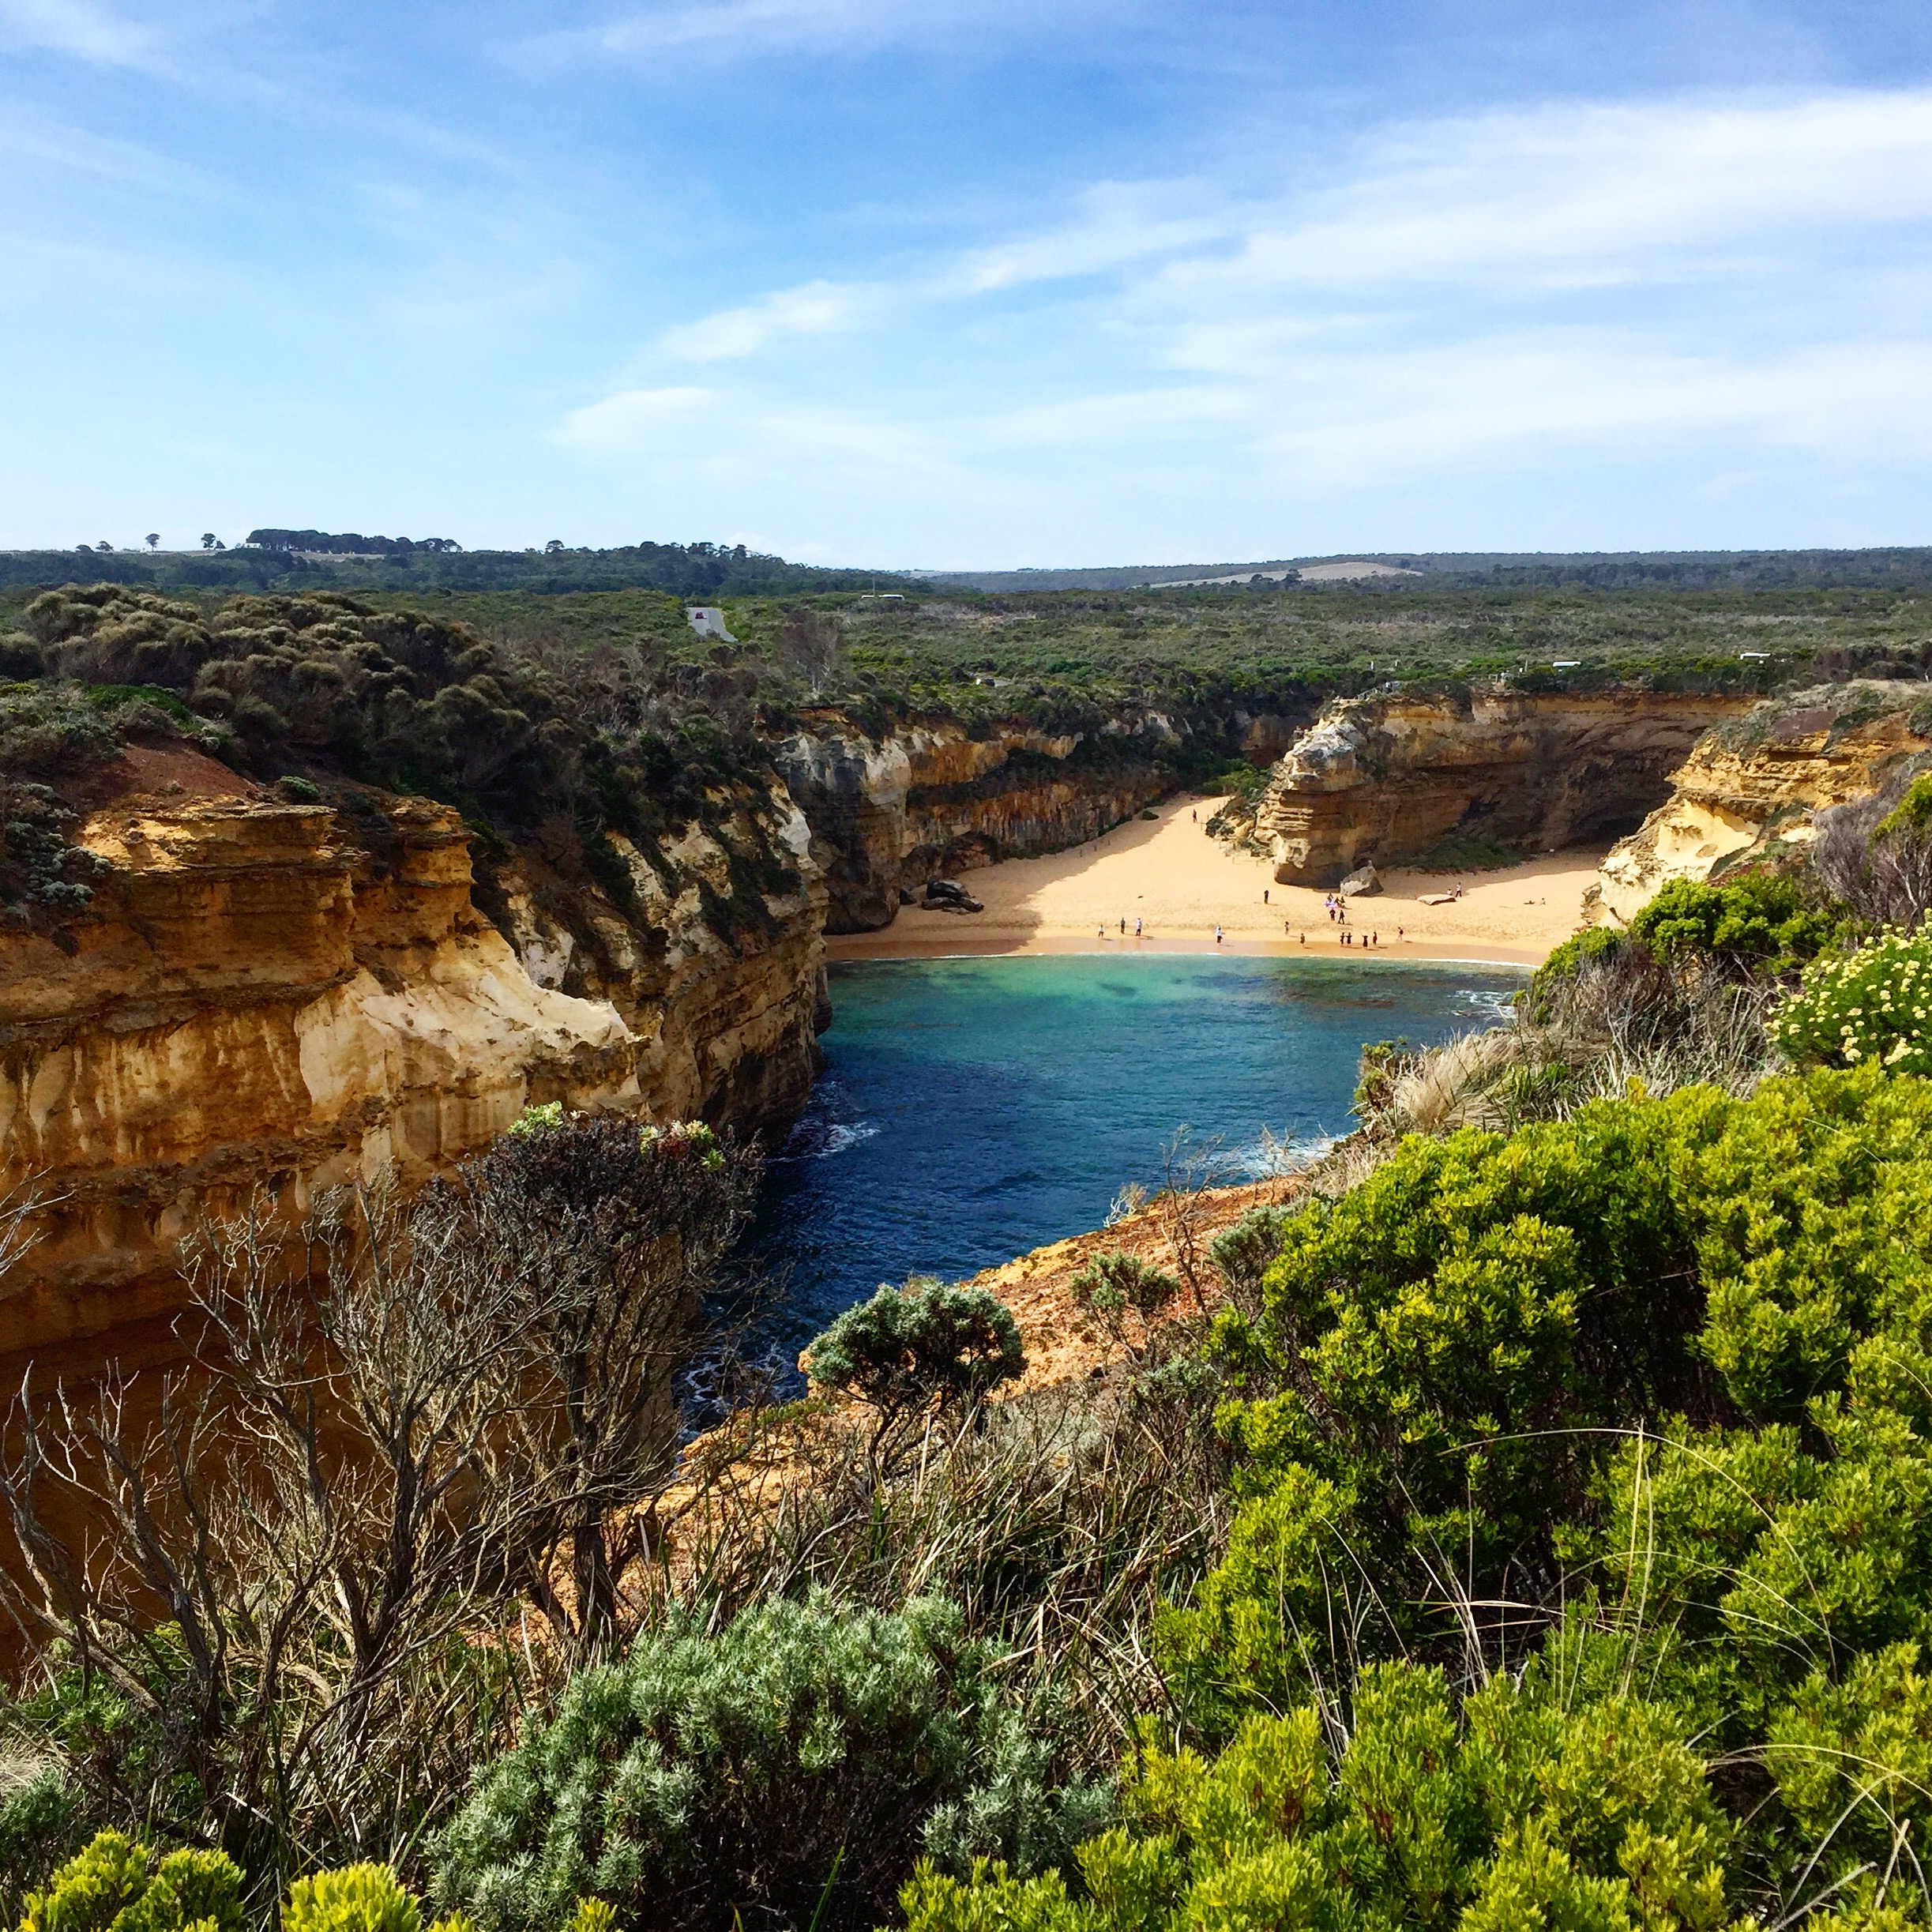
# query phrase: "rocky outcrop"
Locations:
[[1387, 777], [273, 993], [891, 811], [1750, 787]]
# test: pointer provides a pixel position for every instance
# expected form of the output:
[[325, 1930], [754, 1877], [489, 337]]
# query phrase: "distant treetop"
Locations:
[[349, 544]]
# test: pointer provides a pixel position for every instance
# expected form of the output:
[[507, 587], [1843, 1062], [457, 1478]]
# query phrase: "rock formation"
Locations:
[[1387, 777], [273, 993], [1751, 785], [933, 798]]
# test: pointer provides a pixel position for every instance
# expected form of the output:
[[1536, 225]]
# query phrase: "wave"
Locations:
[[1494, 1004], [1266, 1156], [819, 1140]]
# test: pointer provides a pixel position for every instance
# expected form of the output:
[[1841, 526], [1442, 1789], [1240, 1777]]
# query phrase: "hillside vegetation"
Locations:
[[1527, 1525]]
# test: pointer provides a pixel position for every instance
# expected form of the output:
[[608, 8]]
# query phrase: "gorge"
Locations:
[[291, 984]]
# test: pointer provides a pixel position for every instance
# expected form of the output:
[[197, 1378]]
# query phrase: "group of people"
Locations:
[[1332, 904]]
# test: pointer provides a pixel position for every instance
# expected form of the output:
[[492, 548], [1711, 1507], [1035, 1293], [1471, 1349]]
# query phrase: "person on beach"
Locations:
[[1217, 935], [1375, 939], [1264, 895], [1137, 929], [1123, 929]]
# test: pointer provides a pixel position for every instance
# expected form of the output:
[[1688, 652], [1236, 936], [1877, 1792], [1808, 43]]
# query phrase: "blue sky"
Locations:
[[969, 282]]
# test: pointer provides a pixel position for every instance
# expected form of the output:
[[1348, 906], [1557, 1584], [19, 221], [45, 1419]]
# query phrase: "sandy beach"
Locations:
[[1180, 884]]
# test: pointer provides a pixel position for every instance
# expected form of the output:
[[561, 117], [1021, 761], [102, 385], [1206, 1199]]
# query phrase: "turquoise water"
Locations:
[[972, 1109]]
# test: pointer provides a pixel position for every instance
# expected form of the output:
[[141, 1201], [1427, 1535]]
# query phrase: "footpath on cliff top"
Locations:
[[1181, 884]]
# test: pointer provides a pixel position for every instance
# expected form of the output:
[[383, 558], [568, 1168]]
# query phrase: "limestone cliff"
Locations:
[[1751, 785], [934, 798], [265, 992], [1386, 777]]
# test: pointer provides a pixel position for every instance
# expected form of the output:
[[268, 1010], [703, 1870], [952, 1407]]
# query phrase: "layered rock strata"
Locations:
[[1388, 777], [1750, 787], [891, 812], [262, 995]]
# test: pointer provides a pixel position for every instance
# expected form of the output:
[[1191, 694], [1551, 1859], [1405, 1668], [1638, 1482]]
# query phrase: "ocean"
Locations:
[[972, 1109]]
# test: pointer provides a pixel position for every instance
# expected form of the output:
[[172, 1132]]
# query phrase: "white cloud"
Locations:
[[1695, 288], [736, 29], [1582, 195], [80, 28], [818, 308], [1117, 223], [631, 419]]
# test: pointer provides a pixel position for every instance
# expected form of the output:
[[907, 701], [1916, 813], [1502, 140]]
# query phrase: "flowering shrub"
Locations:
[[677, 1138], [1874, 1004]]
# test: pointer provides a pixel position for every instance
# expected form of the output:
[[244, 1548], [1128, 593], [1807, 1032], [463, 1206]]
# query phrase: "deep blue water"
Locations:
[[972, 1109]]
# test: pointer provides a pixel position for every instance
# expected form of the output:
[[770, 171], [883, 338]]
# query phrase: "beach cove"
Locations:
[[1166, 872]]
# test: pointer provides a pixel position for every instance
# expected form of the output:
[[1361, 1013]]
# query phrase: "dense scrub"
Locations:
[[1582, 1572]]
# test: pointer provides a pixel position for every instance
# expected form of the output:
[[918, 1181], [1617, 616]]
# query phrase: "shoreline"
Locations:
[[1519, 958], [1163, 871]]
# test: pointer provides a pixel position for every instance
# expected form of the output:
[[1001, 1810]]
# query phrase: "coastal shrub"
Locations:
[[1871, 1004], [706, 1775], [1582, 1568], [926, 1346], [117, 1885], [357, 1898], [1438, 1337], [1525, 1804], [42, 876], [1241, 1254], [39, 1813], [1759, 920], [1112, 1287]]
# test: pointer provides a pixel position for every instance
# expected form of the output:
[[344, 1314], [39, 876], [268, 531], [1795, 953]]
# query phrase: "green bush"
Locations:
[[1527, 1806], [1870, 1005], [1111, 1287], [923, 1347], [38, 1817], [117, 1885], [706, 1775], [357, 1898], [1758, 919], [1443, 1339]]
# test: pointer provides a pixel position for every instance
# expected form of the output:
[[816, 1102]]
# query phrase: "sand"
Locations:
[[1181, 884]]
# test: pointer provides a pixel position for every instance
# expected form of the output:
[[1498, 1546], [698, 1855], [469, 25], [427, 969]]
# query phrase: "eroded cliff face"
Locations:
[[264, 994], [1751, 786], [1386, 777], [932, 799]]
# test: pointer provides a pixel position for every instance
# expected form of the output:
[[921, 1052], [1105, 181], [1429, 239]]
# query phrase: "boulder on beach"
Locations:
[[949, 896], [1366, 879]]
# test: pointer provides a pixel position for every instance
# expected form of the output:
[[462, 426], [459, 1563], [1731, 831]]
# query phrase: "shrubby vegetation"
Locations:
[[917, 1352], [1525, 1526], [1869, 1004], [709, 1774]]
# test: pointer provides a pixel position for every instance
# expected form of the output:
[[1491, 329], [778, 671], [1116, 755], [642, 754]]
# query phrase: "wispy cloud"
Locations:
[[79, 28], [1612, 283], [633, 419], [1576, 195], [736, 29], [816, 309]]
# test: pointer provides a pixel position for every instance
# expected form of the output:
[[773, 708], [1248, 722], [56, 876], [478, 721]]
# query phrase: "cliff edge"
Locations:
[[289, 995], [1751, 785], [1387, 777]]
